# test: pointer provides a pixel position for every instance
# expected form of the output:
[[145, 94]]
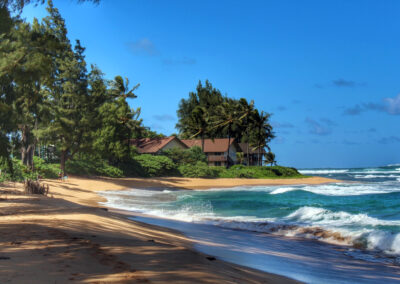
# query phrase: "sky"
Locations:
[[327, 71]]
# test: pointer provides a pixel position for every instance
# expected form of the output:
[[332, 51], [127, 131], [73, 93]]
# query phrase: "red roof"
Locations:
[[210, 146], [152, 145]]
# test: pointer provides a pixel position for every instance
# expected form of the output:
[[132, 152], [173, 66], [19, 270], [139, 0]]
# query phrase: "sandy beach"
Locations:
[[68, 237]]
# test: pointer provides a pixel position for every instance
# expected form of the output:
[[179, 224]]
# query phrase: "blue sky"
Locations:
[[328, 71]]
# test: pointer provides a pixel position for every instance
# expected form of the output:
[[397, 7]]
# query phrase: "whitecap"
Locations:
[[329, 171]]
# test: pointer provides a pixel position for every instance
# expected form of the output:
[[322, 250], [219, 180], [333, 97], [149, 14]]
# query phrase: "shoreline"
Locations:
[[70, 234], [263, 249]]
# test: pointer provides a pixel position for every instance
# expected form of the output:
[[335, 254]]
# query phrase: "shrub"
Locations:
[[156, 166], [45, 170], [199, 170], [185, 156], [240, 171], [92, 166]]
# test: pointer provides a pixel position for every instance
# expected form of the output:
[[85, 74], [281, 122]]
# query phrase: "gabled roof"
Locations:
[[243, 147], [152, 145], [210, 146]]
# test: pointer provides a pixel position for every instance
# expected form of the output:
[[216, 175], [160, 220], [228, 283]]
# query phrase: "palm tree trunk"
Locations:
[[229, 144], [248, 155], [202, 142]]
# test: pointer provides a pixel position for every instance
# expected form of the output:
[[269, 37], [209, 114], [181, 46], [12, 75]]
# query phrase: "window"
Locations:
[[218, 163]]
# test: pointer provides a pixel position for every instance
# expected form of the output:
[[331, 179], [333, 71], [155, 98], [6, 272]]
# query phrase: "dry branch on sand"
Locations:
[[34, 187]]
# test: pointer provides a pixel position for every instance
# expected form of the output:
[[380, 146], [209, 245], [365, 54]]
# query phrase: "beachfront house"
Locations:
[[157, 145], [251, 155], [217, 150]]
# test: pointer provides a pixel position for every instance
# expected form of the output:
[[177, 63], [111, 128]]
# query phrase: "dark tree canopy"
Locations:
[[18, 5]]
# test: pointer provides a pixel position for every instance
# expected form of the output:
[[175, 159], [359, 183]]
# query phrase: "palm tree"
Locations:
[[120, 92], [248, 111], [120, 89], [197, 124], [229, 119], [270, 158], [262, 133], [240, 157]]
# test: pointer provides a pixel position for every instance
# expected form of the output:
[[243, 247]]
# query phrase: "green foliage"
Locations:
[[198, 170], [17, 171], [186, 156], [156, 166], [92, 166], [44, 169], [240, 171]]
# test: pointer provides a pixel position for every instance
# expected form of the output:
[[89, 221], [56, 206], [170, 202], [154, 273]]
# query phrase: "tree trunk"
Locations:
[[229, 144], [248, 155], [63, 159], [259, 155], [27, 147], [202, 142]]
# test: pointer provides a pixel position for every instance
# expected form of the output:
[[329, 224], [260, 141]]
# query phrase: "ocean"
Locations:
[[358, 220]]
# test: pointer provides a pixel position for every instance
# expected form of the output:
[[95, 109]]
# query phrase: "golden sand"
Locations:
[[67, 237]]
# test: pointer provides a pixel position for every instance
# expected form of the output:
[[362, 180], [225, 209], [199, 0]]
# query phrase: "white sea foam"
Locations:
[[377, 176], [330, 171], [319, 223], [309, 222], [320, 216], [339, 189]]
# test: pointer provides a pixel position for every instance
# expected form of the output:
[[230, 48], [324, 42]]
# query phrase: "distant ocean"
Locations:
[[362, 214]]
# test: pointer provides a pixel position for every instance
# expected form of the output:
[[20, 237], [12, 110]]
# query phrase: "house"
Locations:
[[157, 145], [252, 154], [217, 150]]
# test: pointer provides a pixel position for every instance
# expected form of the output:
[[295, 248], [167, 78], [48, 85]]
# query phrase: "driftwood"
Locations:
[[34, 187]]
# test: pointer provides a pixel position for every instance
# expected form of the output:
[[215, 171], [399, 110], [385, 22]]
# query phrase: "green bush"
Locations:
[[16, 171], [240, 171], [185, 156], [156, 166], [199, 170], [90, 166], [45, 170]]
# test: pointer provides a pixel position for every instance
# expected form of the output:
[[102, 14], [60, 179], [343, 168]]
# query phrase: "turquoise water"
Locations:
[[362, 213]]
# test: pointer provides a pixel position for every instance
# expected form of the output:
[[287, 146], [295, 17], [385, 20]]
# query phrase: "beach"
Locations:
[[68, 237]]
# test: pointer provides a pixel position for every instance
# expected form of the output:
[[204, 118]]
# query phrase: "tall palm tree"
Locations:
[[248, 111], [262, 133], [229, 119], [120, 88], [197, 124], [120, 91]]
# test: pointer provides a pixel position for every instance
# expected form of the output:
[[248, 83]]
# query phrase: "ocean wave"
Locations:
[[330, 171], [377, 176], [339, 189], [391, 171], [324, 225], [320, 216], [393, 165]]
